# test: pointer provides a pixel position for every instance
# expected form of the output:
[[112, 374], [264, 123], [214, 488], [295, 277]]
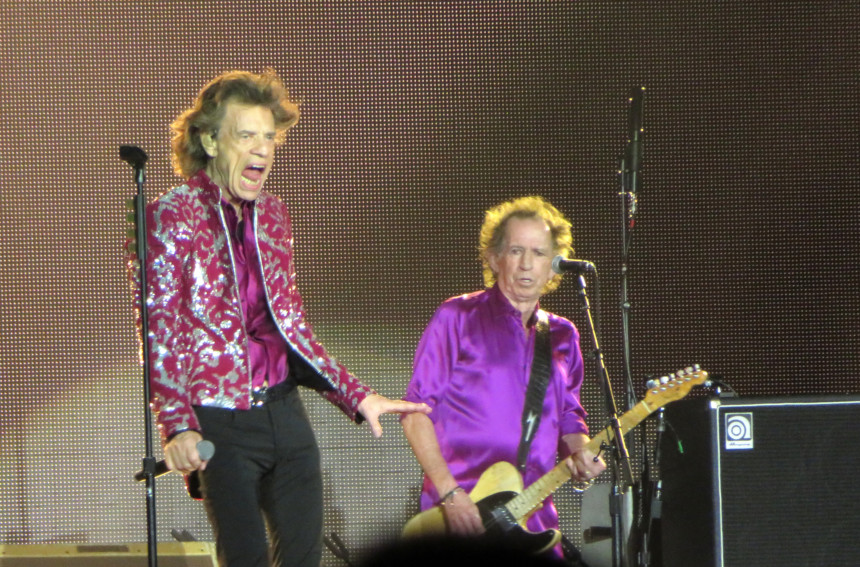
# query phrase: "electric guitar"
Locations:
[[505, 506]]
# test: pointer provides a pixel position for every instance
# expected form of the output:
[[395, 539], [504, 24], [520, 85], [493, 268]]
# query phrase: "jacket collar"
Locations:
[[202, 182]]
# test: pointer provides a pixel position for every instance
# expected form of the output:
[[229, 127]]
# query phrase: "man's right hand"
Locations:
[[462, 515], [181, 454]]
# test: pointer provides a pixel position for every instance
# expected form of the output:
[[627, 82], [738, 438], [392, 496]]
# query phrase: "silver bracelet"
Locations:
[[444, 500]]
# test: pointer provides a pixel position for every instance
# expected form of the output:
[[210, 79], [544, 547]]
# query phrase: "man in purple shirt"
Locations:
[[228, 335], [473, 365]]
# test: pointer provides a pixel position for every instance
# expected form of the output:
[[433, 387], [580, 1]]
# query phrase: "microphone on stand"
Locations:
[[135, 156], [631, 161], [561, 265], [636, 130], [206, 449]]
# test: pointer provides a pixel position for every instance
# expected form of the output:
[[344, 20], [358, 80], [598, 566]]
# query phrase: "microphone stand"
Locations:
[[136, 157], [622, 475], [651, 550], [631, 182]]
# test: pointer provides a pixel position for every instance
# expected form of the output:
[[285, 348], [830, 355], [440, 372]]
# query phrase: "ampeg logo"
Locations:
[[739, 431]]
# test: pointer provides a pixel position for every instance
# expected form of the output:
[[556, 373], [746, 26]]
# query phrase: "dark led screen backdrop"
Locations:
[[418, 116]]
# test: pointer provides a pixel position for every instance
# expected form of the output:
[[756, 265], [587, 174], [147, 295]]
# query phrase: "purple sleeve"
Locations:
[[168, 247], [573, 414], [431, 369]]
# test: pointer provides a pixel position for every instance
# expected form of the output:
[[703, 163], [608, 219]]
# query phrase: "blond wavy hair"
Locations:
[[494, 232], [207, 112]]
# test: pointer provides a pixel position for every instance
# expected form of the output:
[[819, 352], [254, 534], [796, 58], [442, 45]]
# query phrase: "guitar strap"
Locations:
[[538, 382]]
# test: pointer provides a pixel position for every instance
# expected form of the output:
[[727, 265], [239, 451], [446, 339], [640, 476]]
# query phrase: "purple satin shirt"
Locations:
[[266, 347], [472, 366]]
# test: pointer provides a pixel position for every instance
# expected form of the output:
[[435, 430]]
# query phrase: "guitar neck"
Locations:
[[627, 422], [532, 497]]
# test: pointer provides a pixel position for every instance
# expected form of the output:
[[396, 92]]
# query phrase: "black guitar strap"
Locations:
[[538, 381]]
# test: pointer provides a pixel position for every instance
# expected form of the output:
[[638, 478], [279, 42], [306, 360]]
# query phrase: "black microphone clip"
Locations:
[[135, 156]]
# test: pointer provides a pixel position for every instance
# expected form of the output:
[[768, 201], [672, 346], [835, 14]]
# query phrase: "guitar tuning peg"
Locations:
[[689, 370], [696, 368], [664, 379], [652, 383], [680, 373]]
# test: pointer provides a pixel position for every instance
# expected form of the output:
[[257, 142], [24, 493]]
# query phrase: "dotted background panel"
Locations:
[[418, 116]]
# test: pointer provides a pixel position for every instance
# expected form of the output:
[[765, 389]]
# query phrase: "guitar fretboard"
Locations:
[[532, 497]]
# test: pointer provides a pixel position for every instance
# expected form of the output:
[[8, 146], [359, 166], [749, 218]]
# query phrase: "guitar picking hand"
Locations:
[[462, 514]]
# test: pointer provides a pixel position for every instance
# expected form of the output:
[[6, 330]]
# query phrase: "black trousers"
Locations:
[[264, 477]]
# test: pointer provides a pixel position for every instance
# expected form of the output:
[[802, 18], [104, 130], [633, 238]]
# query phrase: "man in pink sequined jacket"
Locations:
[[228, 337]]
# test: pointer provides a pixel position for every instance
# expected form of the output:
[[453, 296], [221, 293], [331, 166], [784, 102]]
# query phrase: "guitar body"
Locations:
[[498, 485], [505, 506]]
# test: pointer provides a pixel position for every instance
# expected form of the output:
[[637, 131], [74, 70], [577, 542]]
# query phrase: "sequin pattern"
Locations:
[[198, 341]]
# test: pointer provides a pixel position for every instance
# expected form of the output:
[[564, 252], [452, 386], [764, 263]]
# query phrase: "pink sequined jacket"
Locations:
[[198, 342]]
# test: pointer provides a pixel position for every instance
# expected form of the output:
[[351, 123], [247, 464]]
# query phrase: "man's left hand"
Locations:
[[585, 466], [375, 405]]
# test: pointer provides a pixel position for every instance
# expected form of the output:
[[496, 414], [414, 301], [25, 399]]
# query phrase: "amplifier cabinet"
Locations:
[[761, 481], [170, 554]]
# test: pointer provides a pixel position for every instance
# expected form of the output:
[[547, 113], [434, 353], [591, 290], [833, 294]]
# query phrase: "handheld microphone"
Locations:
[[206, 449], [561, 265]]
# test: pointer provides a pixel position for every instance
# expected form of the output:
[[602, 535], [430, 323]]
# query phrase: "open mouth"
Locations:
[[253, 174]]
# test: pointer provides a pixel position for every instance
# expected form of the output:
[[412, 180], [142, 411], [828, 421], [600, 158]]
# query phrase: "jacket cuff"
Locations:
[[172, 423]]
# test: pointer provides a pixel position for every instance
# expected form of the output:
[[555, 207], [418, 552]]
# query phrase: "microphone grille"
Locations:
[[206, 449]]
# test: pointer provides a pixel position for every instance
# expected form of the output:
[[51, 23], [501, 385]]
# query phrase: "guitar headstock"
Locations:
[[674, 386]]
